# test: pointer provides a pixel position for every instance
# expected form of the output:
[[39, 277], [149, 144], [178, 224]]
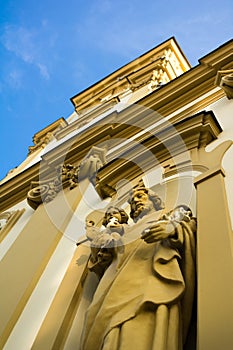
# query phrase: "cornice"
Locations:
[[220, 56], [196, 131], [183, 96], [44, 136], [75, 148], [196, 86], [191, 133], [84, 120], [224, 79], [15, 189], [133, 75]]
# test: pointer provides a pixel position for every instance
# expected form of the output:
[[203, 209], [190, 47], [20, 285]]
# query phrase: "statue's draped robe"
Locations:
[[144, 300]]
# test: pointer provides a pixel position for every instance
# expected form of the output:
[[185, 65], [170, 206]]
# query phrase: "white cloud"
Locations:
[[114, 28], [132, 28], [43, 70], [23, 43], [15, 79]]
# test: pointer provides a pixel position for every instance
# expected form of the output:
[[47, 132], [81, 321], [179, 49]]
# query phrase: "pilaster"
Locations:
[[214, 260]]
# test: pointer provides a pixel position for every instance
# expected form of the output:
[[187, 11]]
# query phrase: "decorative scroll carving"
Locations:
[[67, 175], [7, 221], [224, 80], [41, 193]]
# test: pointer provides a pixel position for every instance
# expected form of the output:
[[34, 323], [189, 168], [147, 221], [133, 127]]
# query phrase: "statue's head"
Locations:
[[115, 212], [142, 200]]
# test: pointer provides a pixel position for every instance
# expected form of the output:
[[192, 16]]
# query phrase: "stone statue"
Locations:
[[106, 243], [144, 298]]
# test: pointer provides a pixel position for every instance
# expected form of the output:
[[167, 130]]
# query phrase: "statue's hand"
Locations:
[[158, 231]]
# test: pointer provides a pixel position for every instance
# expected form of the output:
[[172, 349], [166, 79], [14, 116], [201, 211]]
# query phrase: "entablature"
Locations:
[[120, 135], [161, 148], [194, 90], [159, 65], [178, 98]]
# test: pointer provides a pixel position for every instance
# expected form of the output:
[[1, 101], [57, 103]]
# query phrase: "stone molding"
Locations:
[[173, 96], [134, 74], [194, 132], [155, 74], [224, 79], [43, 137]]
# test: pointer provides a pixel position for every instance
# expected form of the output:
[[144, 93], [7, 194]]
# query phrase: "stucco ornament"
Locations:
[[224, 79], [4, 218], [67, 175], [145, 295], [45, 191], [90, 165]]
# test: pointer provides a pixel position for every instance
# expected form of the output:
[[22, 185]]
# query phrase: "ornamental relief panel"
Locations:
[[8, 220]]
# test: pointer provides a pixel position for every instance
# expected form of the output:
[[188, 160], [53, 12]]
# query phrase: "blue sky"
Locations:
[[51, 50]]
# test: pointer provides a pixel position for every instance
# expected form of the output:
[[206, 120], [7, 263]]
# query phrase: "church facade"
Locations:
[[157, 120]]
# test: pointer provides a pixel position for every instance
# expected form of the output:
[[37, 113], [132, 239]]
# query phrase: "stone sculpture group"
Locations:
[[146, 276]]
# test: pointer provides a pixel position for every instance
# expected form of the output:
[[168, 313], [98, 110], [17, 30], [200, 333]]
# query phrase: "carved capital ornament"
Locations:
[[67, 175]]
